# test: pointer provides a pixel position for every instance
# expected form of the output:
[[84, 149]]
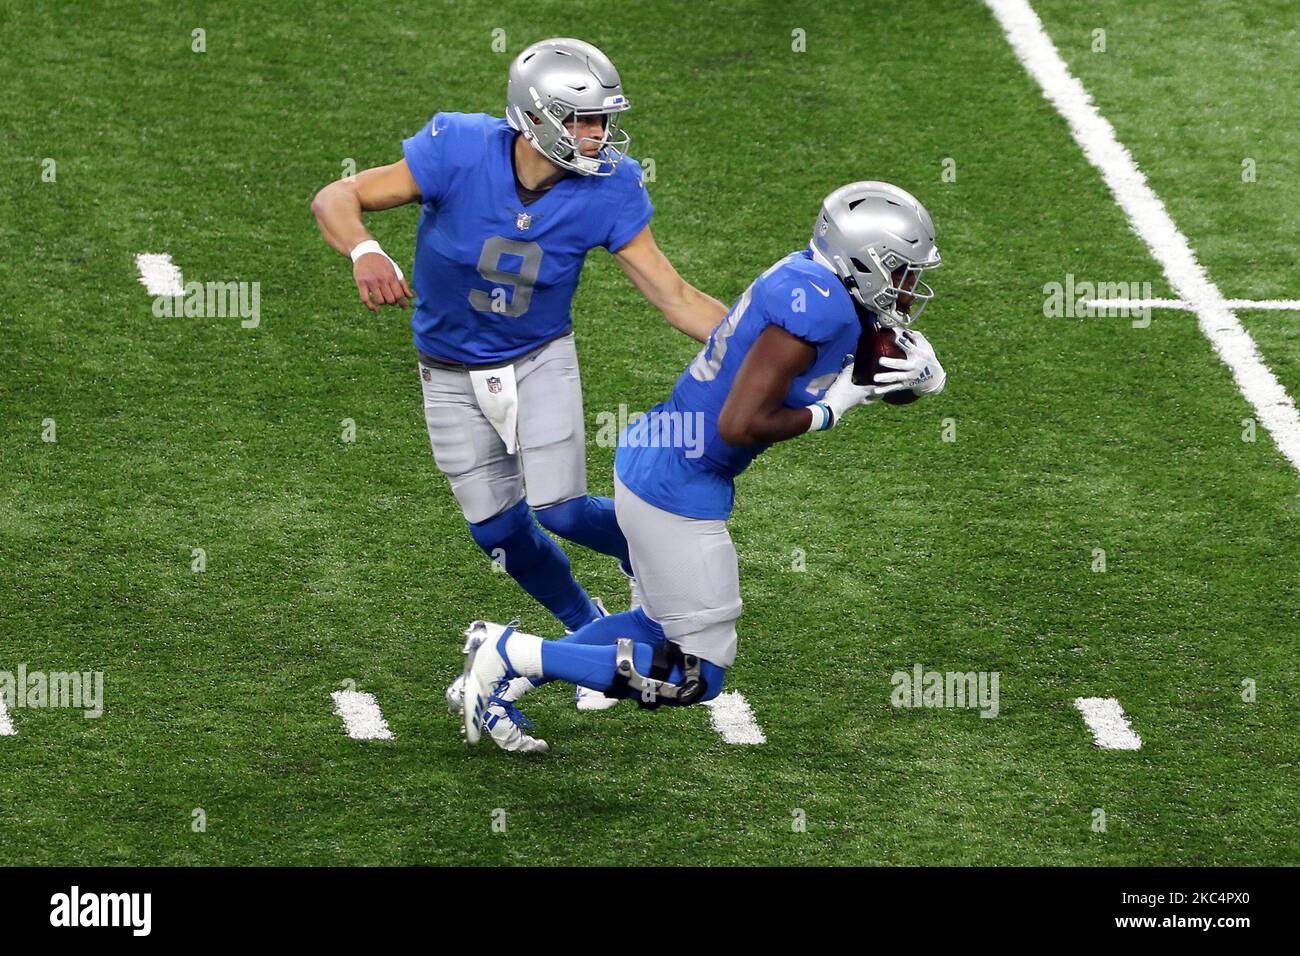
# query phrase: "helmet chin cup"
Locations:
[[585, 164], [893, 319]]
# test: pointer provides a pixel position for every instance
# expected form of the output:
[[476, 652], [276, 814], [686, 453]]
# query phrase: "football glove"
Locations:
[[842, 395], [918, 370]]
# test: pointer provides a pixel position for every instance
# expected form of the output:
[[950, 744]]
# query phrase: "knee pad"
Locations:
[[567, 519]]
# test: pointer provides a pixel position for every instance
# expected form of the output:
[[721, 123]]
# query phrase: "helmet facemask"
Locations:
[[885, 275], [553, 132]]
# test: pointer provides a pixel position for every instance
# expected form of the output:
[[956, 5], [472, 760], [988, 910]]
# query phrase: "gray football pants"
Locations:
[[551, 464], [688, 575]]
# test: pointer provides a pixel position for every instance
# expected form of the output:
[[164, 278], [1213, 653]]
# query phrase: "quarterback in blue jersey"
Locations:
[[779, 365], [510, 209]]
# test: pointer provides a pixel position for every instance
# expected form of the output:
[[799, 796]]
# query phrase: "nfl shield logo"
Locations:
[[494, 384], [523, 221], [425, 374]]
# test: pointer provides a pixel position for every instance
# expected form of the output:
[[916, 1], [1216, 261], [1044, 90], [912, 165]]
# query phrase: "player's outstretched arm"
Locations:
[[338, 208], [685, 307]]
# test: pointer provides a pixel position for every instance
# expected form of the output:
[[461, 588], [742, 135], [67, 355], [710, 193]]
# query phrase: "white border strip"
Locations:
[[361, 715], [1149, 219], [1275, 305], [6, 725], [1110, 728], [158, 275], [733, 719]]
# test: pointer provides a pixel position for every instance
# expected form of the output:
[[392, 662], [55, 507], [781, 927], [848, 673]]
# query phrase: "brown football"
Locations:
[[874, 344]]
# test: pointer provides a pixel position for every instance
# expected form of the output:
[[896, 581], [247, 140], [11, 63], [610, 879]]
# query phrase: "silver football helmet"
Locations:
[[868, 231], [556, 82]]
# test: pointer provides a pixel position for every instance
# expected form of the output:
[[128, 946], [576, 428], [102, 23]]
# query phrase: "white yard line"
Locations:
[[159, 275], [6, 725], [1149, 219], [1110, 728], [733, 719], [1276, 305], [361, 715]]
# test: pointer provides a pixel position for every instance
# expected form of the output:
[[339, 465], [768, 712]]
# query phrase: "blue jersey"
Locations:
[[674, 458], [494, 279]]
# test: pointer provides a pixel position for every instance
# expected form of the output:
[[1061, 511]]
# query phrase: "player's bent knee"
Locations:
[[565, 519], [483, 499], [672, 677], [513, 537], [501, 528]]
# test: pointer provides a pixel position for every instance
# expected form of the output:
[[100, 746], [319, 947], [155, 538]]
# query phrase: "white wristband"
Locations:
[[821, 417], [366, 247], [372, 245]]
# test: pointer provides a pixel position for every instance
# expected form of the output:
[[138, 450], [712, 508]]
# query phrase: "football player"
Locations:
[[510, 209], [773, 370]]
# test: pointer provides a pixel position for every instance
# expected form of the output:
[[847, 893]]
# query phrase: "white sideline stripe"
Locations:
[[361, 715], [1110, 728], [158, 275], [6, 725], [732, 718], [1278, 305], [1149, 219]]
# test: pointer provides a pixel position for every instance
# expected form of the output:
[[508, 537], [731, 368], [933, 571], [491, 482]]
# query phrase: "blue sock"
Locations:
[[602, 632], [536, 562], [635, 624], [589, 522]]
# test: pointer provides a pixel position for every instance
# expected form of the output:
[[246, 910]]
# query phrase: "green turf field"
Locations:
[[330, 562]]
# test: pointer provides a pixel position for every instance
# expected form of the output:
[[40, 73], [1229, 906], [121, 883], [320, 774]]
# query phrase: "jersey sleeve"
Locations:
[[632, 210], [796, 303], [447, 145], [426, 155]]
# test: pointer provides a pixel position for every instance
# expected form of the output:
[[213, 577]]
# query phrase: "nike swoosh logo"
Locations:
[[825, 292]]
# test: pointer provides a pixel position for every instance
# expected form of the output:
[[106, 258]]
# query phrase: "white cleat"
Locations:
[[506, 725], [587, 698], [485, 671], [455, 693]]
